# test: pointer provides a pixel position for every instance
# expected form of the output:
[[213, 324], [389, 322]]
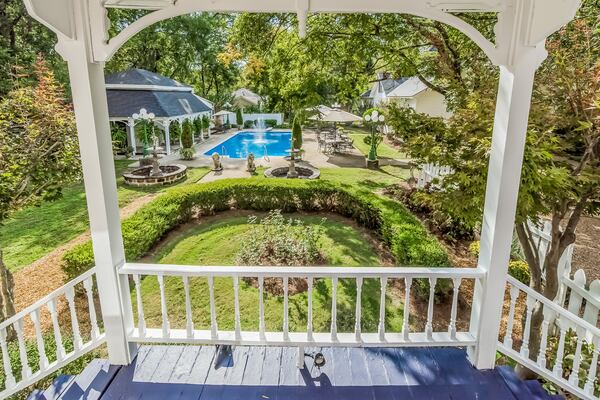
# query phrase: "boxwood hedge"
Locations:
[[400, 230]]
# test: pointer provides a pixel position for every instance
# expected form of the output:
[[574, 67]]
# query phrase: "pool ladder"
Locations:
[[266, 154], [223, 151]]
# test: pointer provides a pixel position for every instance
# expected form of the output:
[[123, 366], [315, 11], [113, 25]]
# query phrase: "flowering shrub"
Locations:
[[276, 240]]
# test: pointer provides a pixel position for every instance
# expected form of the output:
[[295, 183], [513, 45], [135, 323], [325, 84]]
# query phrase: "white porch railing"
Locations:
[[580, 298], [163, 332], [571, 362], [29, 372]]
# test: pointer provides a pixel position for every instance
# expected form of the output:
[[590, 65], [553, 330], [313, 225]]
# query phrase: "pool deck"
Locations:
[[263, 373]]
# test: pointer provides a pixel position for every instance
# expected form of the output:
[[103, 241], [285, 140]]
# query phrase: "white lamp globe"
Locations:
[[136, 116], [375, 114], [381, 118], [143, 111], [151, 115], [367, 118]]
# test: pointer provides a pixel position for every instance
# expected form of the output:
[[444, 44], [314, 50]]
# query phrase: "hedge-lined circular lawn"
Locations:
[[217, 241]]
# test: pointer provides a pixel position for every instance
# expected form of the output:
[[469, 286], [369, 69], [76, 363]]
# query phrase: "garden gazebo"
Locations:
[[517, 50], [130, 91]]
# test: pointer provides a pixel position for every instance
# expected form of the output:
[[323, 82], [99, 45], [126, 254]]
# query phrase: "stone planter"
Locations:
[[304, 172], [372, 164]]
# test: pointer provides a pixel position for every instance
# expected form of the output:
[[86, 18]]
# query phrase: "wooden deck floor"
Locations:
[[190, 372]]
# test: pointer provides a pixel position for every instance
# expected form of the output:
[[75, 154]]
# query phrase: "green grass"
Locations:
[[383, 151], [359, 178], [217, 243], [33, 232]]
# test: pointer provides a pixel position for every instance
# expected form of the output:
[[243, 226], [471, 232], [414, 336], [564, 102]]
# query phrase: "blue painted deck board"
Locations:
[[270, 373]]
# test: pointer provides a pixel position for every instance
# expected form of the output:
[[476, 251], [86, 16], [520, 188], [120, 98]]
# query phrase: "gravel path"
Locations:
[[45, 275]]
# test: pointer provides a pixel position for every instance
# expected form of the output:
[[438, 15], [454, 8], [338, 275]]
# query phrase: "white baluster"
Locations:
[[525, 346], [25, 368], [309, 327], [429, 325], [35, 317], [214, 330], [514, 294], [140, 306], [166, 326], [381, 329], [261, 308], [358, 313], [70, 295], [88, 285], [406, 322], [286, 323], [60, 348], [548, 316], [236, 297], [334, 284], [574, 377], [591, 377], [560, 353], [10, 378], [189, 319], [452, 327]]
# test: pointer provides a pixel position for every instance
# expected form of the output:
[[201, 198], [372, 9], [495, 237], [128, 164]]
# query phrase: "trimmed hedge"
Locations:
[[401, 231]]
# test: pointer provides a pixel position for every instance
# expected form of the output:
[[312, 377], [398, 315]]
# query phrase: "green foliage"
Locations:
[[187, 153], [197, 124], [239, 119], [38, 143], [175, 129], [248, 124], [275, 240], [517, 268], [187, 48], [296, 134], [399, 229], [119, 137], [270, 123], [205, 122], [187, 135]]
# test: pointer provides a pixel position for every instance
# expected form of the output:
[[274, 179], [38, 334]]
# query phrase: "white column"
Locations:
[[168, 137], [131, 134], [504, 174], [91, 113]]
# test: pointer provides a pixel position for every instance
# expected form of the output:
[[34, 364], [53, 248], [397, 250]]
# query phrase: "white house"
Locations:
[[410, 92], [243, 98]]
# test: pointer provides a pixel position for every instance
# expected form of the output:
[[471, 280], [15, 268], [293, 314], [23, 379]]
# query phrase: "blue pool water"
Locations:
[[245, 142]]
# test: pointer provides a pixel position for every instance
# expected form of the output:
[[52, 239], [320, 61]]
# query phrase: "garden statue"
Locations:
[[217, 162], [250, 163]]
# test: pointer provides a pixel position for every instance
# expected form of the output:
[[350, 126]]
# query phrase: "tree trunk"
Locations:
[[7, 306]]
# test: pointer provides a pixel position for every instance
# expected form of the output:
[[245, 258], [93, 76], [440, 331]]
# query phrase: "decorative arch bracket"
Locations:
[[523, 25]]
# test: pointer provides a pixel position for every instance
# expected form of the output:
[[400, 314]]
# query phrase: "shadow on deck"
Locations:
[[195, 372]]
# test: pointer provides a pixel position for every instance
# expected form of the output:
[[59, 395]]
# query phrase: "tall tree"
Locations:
[[39, 153], [184, 48]]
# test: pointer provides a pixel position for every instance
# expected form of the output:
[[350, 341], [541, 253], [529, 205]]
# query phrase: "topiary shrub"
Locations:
[[239, 118], [248, 124], [270, 123], [400, 231]]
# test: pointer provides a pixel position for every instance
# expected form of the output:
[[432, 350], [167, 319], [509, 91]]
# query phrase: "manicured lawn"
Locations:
[[35, 231], [383, 151], [217, 243]]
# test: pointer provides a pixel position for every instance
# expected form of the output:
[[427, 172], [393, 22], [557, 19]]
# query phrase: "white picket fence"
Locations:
[[430, 173]]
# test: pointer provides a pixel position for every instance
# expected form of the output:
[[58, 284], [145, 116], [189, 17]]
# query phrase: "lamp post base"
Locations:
[[372, 164]]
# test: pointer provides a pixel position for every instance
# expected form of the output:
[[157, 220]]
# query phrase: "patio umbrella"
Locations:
[[337, 116]]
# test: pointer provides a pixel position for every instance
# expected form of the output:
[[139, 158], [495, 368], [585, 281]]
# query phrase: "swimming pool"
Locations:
[[246, 142]]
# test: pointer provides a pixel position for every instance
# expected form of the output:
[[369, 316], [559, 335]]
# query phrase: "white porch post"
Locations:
[[131, 134], [504, 174], [168, 137], [91, 113]]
